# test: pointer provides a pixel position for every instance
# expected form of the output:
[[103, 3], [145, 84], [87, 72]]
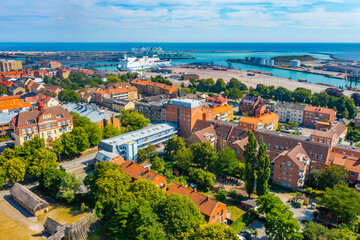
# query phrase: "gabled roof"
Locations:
[[136, 171], [27, 197], [319, 110], [205, 204], [206, 134], [296, 154]]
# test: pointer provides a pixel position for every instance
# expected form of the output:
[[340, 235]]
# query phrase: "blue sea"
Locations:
[[218, 53]]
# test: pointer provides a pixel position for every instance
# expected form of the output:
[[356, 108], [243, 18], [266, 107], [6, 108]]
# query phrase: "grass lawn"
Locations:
[[62, 214], [234, 209], [11, 229]]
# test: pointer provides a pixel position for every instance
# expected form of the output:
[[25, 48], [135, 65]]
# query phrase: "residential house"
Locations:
[[290, 167], [156, 112], [153, 88], [29, 200], [138, 172], [252, 105], [46, 101], [329, 133], [16, 90], [7, 104], [47, 123], [36, 88], [217, 100], [219, 112], [126, 93], [50, 90], [63, 73], [213, 210]]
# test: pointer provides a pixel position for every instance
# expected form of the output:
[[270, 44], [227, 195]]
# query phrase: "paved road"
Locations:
[[4, 145], [80, 166], [260, 227]]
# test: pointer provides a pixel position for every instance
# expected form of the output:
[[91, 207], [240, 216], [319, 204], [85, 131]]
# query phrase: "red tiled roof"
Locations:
[[136, 171], [205, 204], [319, 110]]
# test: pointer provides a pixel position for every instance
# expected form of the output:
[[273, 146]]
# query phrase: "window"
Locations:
[[42, 135], [289, 163], [54, 125], [29, 130], [60, 130], [319, 156], [42, 127], [59, 123], [25, 138], [48, 125], [54, 131], [49, 133], [35, 129], [68, 121], [64, 122], [24, 130], [352, 174], [69, 128]]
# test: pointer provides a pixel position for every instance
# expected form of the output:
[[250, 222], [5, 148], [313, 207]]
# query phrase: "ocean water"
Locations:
[[218, 53]]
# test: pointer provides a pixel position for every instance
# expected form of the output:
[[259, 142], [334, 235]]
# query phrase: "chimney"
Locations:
[[195, 190], [182, 184]]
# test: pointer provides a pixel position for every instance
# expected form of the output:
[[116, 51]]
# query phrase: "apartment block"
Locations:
[[153, 88], [268, 121], [312, 115], [9, 65], [252, 105], [290, 167], [290, 112]]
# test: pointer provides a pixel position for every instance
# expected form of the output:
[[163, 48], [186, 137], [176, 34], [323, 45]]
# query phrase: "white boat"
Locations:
[[134, 63]]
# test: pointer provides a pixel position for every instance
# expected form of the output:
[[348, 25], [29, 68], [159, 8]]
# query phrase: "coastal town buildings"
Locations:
[[128, 144], [357, 120], [9, 65], [252, 106], [47, 123], [103, 156], [156, 112], [50, 64], [153, 88]]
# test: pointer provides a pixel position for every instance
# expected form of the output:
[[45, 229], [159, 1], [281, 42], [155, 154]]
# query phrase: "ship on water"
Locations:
[[142, 63]]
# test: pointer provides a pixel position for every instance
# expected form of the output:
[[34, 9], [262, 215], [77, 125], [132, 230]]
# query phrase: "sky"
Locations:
[[180, 21]]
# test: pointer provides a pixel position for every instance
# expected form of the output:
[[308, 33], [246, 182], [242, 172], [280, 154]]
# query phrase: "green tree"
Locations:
[[68, 95], [201, 177], [178, 215], [283, 94], [146, 154], [15, 170], [342, 202], [146, 190], [2, 176], [133, 120], [41, 160], [227, 162], [69, 144], [204, 154], [280, 225], [50, 179], [316, 231], [328, 177], [69, 185], [263, 171], [320, 99], [173, 145], [302, 95], [219, 86], [113, 78], [131, 218], [250, 162], [234, 83], [110, 131], [81, 138], [268, 202], [157, 164], [235, 93], [184, 158], [80, 121], [217, 231], [95, 133]]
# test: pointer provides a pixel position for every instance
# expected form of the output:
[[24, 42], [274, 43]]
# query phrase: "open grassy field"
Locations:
[[11, 229], [62, 214]]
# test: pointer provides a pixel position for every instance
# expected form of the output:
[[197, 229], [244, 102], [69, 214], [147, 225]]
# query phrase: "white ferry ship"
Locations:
[[134, 63]]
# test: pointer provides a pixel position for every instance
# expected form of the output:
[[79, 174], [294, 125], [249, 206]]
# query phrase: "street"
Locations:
[[80, 166]]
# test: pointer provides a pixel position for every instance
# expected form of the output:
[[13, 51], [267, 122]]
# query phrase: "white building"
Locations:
[[290, 112], [295, 63]]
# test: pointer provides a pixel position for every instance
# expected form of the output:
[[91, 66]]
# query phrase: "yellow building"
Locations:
[[8, 65], [49, 123], [268, 121]]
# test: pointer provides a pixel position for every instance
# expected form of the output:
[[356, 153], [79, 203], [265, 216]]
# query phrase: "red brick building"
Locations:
[[252, 105], [312, 115], [290, 167]]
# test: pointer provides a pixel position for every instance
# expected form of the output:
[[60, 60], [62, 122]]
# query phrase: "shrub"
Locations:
[[84, 207], [236, 195], [308, 190]]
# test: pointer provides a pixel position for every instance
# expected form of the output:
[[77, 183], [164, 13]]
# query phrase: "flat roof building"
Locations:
[[128, 144]]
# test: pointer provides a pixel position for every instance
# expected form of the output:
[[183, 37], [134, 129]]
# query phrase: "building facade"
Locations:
[[9, 65], [312, 115], [47, 123], [290, 112]]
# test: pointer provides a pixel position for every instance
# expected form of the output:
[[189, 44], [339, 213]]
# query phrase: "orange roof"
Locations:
[[14, 104], [217, 98], [223, 109], [205, 204], [139, 81], [101, 92], [350, 163], [267, 118], [10, 97], [136, 171], [122, 90], [319, 110], [156, 84]]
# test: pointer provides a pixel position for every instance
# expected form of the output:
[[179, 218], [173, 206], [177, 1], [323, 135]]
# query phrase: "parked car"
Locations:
[[245, 234]]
